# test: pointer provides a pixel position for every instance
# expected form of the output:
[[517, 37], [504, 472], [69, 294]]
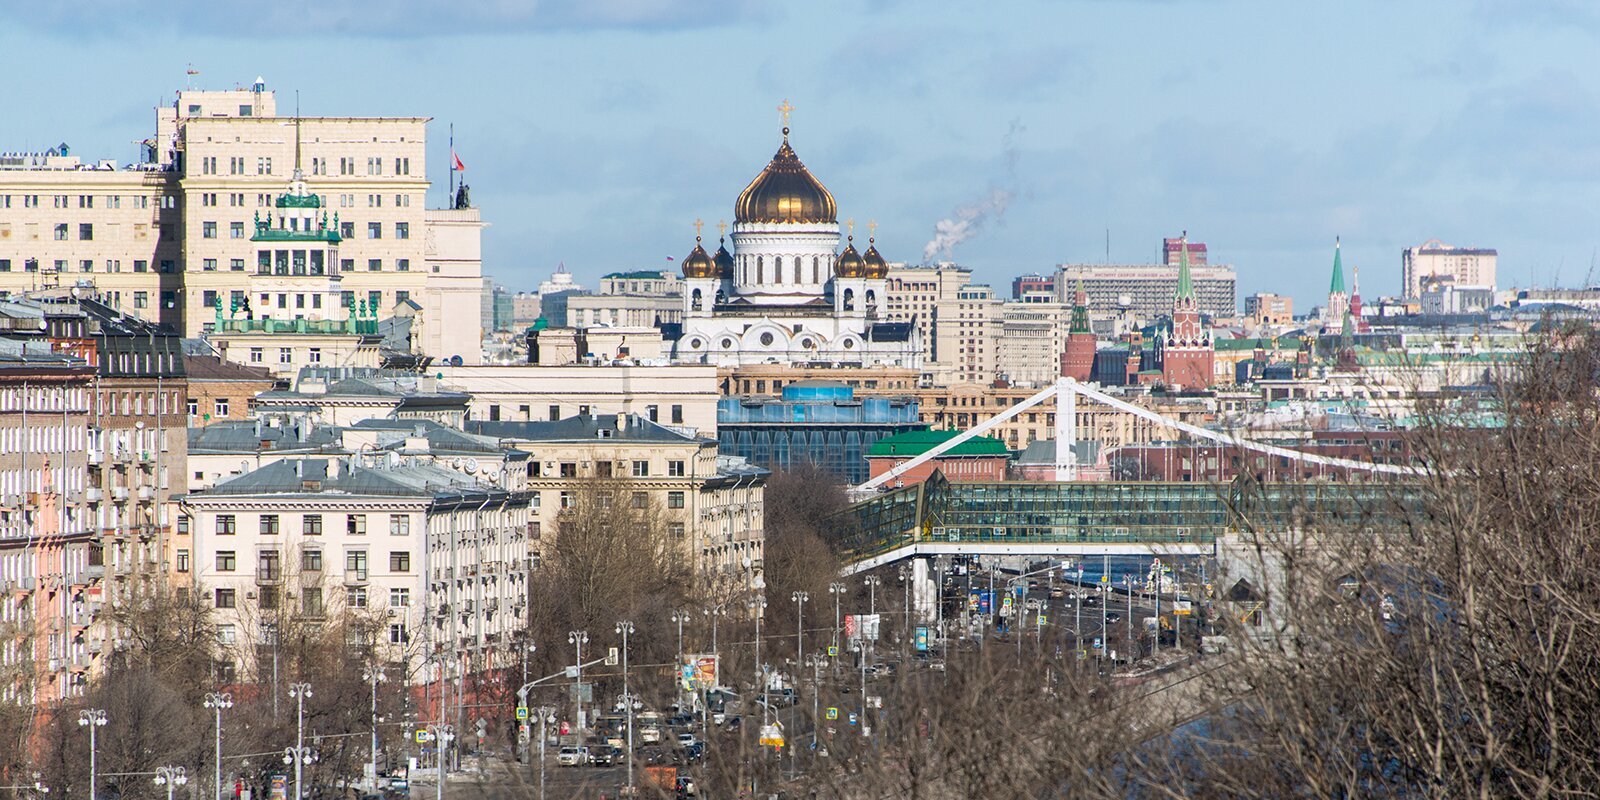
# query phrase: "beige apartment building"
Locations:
[[1434, 261], [683, 397], [1265, 308], [215, 216], [1031, 338]]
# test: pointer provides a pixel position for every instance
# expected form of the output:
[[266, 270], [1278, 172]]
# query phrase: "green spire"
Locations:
[[1338, 270], [1080, 311], [1185, 282]]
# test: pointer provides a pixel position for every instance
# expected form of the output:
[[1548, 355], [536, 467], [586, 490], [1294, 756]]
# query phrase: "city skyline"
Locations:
[[599, 146]]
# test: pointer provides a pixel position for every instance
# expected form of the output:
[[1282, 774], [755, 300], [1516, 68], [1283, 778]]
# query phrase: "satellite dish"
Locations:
[[455, 463], [393, 459], [472, 465], [1124, 300]]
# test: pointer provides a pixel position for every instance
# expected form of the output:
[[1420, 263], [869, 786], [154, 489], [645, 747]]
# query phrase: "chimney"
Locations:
[[333, 469], [299, 468], [622, 420]]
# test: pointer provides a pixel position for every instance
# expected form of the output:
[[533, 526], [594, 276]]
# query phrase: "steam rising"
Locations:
[[970, 219]]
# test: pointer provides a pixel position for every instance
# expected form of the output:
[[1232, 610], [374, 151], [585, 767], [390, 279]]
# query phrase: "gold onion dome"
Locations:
[[876, 268], [698, 263], [785, 192], [724, 261], [850, 264]]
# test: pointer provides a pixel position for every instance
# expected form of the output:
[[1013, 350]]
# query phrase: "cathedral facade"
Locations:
[[785, 293]]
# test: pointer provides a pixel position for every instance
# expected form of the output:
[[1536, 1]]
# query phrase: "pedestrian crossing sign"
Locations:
[[522, 713], [833, 651], [832, 713]]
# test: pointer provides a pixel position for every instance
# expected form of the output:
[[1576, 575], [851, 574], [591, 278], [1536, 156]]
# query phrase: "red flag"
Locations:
[[669, 258], [456, 162]]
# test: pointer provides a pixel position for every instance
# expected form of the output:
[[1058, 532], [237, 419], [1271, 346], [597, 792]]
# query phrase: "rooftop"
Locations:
[[915, 443], [581, 428]]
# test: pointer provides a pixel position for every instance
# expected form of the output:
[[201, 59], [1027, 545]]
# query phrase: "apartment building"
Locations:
[[682, 396], [1030, 339], [417, 557], [1145, 291], [711, 504], [1434, 262], [215, 216]]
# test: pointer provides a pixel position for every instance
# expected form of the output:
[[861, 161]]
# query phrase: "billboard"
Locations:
[[862, 626], [698, 672]]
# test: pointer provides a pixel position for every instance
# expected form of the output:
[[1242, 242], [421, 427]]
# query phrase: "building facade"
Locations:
[[1434, 260], [821, 423], [681, 396], [1265, 308], [1146, 290]]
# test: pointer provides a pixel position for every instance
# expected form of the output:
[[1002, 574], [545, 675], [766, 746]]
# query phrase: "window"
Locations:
[[314, 355], [400, 598], [355, 524], [399, 525], [402, 230], [255, 355], [569, 469], [208, 230], [555, 413], [236, 230], [208, 265], [311, 560], [374, 265], [269, 566], [61, 232], [194, 411], [675, 529], [221, 406], [401, 295], [269, 524], [227, 634], [347, 230], [225, 598], [236, 264], [227, 525], [674, 499], [640, 500], [141, 299], [399, 561], [402, 265], [652, 413], [311, 524], [566, 500], [675, 469], [397, 633], [677, 415], [86, 231], [269, 602], [208, 298], [641, 469], [374, 230], [374, 299], [182, 561], [226, 561], [311, 601], [285, 355], [355, 597]]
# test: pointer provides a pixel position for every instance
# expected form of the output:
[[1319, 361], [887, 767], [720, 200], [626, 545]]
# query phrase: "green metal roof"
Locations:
[[915, 443], [1338, 270], [1185, 282]]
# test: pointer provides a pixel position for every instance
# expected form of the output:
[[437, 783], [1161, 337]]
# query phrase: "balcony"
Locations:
[[120, 494], [147, 457], [94, 494], [147, 493], [96, 457]]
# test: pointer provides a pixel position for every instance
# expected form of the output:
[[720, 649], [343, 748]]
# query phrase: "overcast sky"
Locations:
[[596, 131]]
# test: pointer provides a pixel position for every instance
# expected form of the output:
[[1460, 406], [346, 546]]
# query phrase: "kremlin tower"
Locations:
[[1183, 351], [1078, 360], [1338, 300]]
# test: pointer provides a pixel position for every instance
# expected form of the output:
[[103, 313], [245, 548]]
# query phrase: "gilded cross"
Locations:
[[784, 110], [697, 226], [851, 224], [872, 229], [722, 229]]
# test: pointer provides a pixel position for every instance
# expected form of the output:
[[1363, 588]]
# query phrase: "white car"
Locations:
[[685, 739], [572, 756]]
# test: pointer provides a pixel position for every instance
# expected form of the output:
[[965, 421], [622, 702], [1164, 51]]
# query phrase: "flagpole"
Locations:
[[449, 199]]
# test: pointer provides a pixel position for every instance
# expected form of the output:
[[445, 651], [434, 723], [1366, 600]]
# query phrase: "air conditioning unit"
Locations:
[[250, 595], [392, 613]]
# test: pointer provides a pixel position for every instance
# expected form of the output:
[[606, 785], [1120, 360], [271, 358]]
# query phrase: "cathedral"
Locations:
[[785, 293]]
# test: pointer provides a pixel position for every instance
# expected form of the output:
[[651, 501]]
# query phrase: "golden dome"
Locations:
[[876, 268], [698, 263], [785, 192], [849, 264], [724, 261]]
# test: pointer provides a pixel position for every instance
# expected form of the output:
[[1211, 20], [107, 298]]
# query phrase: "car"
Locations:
[[572, 756], [653, 755], [695, 752], [606, 756], [733, 723], [685, 739], [719, 717], [685, 787]]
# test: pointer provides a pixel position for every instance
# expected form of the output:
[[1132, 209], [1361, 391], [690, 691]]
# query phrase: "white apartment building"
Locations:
[[418, 557], [683, 397], [1434, 261], [203, 222]]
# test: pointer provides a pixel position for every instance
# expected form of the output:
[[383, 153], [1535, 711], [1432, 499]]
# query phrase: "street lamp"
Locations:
[[373, 675], [529, 650], [217, 701], [905, 573], [298, 755], [872, 582], [171, 777], [680, 617], [1077, 616], [547, 715], [92, 718], [625, 628], [837, 590], [578, 639], [758, 606], [442, 735]]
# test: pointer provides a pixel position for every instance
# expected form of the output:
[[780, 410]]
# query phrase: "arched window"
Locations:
[[796, 269], [777, 269], [849, 299], [761, 270], [872, 302], [698, 301], [816, 270]]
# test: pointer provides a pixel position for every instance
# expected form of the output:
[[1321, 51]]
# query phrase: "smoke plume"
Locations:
[[969, 219]]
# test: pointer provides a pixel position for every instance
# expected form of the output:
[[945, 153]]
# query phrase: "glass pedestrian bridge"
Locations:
[[1050, 518]]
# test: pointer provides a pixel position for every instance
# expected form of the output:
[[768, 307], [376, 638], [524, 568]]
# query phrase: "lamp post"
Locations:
[[373, 675], [217, 701], [171, 777], [578, 639], [872, 582], [92, 718], [1077, 615], [442, 735], [758, 606], [837, 590], [625, 628], [680, 617], [300, 756], [528, 650], [547, 715], [905, 631], [800, 599]]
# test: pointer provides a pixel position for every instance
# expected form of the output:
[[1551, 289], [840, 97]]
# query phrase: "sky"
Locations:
[[595, 132]]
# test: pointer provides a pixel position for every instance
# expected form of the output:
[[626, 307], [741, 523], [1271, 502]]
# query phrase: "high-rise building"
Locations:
[[1145, 290], [235, 206], [1034, 288], [1434, 260]]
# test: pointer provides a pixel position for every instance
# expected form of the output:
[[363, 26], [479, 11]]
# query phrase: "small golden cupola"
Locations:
[[849, 264], [698, 263], [876, 268]]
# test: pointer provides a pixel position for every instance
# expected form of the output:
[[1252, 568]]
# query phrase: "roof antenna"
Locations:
[[297, 134]]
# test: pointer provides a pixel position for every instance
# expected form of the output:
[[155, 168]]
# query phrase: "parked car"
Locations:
[[719, 717], [695, 752], [685, 739], [572, 756], [653, 755]]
